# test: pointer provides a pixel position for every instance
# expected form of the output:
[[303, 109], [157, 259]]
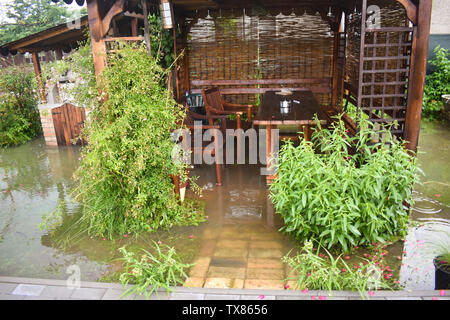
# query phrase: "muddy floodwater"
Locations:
[[239, 245]]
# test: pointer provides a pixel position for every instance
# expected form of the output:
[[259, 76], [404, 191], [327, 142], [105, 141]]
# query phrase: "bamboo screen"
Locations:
[[245, 45]]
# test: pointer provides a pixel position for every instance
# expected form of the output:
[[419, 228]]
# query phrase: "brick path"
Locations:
[[46, 289]]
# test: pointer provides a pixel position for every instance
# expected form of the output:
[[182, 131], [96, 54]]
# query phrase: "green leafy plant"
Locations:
[[439, 248], [437, 84], [344, 190], [20, 121], [80, 67], [150, 272], [312, 271], [124, 177]]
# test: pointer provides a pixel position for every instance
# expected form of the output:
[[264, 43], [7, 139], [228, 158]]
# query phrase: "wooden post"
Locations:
[[38, 73], [335, 73], [146, 27], [134, 25], [417, 74], [177, 78], [58, 54], [96, 28]]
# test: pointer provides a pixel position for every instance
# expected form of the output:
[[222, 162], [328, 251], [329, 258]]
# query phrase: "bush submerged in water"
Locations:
[[124, 178], [328, 194], [18, 107]]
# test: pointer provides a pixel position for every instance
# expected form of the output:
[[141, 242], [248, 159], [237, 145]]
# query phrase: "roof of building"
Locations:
[[63, 36]]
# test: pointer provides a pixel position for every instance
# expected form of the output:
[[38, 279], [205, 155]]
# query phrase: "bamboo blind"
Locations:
[[244, 45]]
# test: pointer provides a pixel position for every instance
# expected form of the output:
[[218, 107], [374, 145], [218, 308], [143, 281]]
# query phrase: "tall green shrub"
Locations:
[[19, 115], [124, 174], [437, 84], [328, 194]]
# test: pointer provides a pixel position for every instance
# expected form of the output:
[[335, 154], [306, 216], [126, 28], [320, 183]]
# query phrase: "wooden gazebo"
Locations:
[[371, 53]]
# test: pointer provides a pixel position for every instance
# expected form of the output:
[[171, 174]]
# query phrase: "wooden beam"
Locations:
[[38, 73], [43, 36], [419, 55], [115, 10], [411, 10]]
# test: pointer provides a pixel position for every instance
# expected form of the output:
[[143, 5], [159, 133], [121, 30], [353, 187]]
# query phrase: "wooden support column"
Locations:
[[335, 73], [417, 74], [58, 54], [96, 28], [146, 27], [134, 25], [38, 73], [177, 77]]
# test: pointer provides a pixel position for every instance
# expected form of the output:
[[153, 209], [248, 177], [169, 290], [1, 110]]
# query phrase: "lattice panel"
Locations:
[[385, 70]]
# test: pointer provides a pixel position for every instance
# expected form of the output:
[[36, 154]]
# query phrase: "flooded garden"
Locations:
[[238, 245]]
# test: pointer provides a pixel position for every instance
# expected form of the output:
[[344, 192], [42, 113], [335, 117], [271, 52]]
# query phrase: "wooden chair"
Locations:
[[215, 105], [189, 122]]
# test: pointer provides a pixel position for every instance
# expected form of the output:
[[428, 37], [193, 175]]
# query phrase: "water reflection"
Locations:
[[431, 209], [34, 179]]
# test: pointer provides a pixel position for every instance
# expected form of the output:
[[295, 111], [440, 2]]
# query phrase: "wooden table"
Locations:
[[303, 107]]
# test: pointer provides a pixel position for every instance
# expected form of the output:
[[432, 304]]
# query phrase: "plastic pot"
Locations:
[[442, 275]]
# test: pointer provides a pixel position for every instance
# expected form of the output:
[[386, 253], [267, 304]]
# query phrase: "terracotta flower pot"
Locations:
[[442, 274]]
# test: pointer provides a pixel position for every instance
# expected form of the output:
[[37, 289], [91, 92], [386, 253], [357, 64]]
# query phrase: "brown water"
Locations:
[[238, 246]]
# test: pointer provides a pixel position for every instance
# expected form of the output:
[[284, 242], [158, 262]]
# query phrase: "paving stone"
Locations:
[[207, 248], [265, 236], [194, 282], [293, 298], [7, 287], [238, 284], [224, 272], [41, 298], [28, 290], [153, 296], [436, 298], [235, 235], [230, 262], [222, 297], [265, 253], [266, 263], [257, 297], [233, 244], [198, 271], [263, 284], [266, 244], [265, 274], [59, 292], [210, 234], [116, 294], [218, 283], [187, 296], [5, 296], [405, 298], [227, 252], [88, 293]]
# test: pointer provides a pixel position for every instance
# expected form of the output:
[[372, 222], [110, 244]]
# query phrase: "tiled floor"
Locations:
[[239, 257], [241, 246]]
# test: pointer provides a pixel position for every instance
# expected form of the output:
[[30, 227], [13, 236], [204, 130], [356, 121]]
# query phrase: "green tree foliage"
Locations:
[[328, 194], [18, 107], [124, 177], [25, 17], [437, 84]]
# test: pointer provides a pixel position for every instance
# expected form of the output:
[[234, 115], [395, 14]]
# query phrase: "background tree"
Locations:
[[25, 17]]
